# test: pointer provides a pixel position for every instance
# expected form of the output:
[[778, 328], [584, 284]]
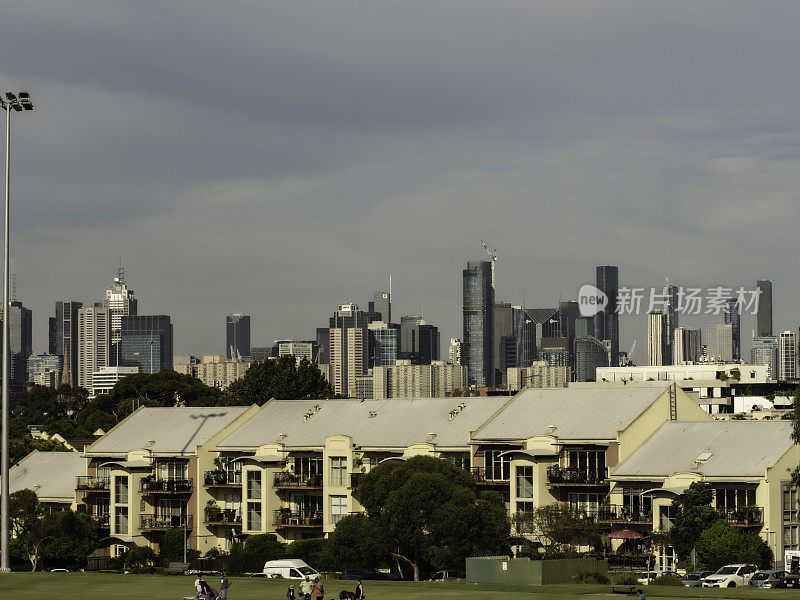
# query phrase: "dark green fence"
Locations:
[[523, 571]]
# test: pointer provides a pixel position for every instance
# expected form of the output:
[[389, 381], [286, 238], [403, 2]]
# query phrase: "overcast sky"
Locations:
[[280, 158]]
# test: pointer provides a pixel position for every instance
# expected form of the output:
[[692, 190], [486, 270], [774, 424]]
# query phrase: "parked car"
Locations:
[[367, 574], [768, 579], [645, 577], [731, 576], [446, 576], [695, 578], [289, 568]]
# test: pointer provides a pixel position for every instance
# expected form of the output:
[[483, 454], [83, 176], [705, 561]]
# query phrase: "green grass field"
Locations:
[[84, 586]]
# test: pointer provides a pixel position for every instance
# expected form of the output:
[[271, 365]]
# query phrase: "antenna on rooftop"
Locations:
[[13, 278], [120, 273]]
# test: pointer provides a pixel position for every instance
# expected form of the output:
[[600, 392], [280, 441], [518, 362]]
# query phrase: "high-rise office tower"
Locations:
[[524, 331], [719, 342], [589, 352], [687, 346], [380, 307], [146, 342], [766, 351], [64, 338], [20, 328], [384, 343], [45, 369], [478, 318], [733, 318], [671, 313], [119, 302], [606, 322], [657, 338], [764, 314], [348, 345], [505, 346], [454, 352], [94, 342], [787, 359], [419, 340], [237, 336]]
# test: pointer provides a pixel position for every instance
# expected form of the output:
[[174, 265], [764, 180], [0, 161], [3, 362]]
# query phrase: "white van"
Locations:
[[289, 568]]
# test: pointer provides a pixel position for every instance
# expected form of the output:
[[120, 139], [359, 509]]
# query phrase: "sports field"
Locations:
[[89, 586]]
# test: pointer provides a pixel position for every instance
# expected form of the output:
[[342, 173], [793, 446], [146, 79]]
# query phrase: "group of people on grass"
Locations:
[[308, 587], [204, 591]]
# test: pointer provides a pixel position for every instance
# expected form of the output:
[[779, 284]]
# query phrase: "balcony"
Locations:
[[614, 514], [223, 517], [164, 522], [93, 484], [149, 485], [222, 479], [355, 478], [749, 516], [484, 477], [567, 476], [285, 519], [284, 480]]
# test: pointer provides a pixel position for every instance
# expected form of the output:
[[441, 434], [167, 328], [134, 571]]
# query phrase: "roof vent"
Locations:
[[373, 414], [703, 457], [431, 435], [552, 427], [317, 408]]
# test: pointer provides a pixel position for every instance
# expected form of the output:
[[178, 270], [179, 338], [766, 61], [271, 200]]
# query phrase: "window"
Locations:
[[254, 485], [172, 511], [586, 503], [790, 541], [634, 503], [254, 516], [498, 468], [173, 470], [121, 519], [338, 470], [338, 508], [104, 473], [307, 467], [588, 461], [790, 504], [121, 489], [732, 499], [525, 482]]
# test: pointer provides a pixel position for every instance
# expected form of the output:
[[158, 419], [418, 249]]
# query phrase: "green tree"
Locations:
[[165, 388], [266, 545], [171, 548], [70, 538], [358, 542], [282, 378], [721, 544], [25, 513], [139, 559], [559, 527], [693, 514], [21, 447], [431, 513], [795, 418]]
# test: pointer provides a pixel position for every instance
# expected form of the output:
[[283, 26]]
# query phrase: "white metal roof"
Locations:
[[737, 448], [165, 430], [50, 474], [581, 413], [392, 423]]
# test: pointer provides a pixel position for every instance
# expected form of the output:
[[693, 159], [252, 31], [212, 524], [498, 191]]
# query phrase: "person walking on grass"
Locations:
[[319, 589], [306, 588], [640, 594], [359, 595], [224, 584]]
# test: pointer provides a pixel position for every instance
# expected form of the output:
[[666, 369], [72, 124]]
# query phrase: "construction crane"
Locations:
[[630, 352], [492, 252]]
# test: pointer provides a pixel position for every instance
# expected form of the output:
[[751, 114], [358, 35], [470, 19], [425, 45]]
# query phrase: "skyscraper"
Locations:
[[733, 318], [504, 340], [606, 322], [348, 346], [657, 338], [384, 343], [380, 308], [671, 313], [719, 342], [766, 351], [20, 328], [524, 336], [590, 353], [686, 346], [64, 338], [237, 336], [419, 340], [119, 302], [454, 352], [94, 342], [764, 314], [478, 318], [146, 342], [787, 359]]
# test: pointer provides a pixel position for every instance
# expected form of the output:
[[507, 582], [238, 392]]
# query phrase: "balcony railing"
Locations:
[[570, 476], [166, 486], [487, 477], [355, 478], [749, 516], [285, 519], [285, 479], [222, 478], [614, 513], [219, 516], [93, 484], [164, 522]]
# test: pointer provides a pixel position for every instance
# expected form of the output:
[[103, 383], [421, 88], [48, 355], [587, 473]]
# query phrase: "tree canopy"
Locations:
[[693, 515], [283, 379], [722, 544], [428, 513]]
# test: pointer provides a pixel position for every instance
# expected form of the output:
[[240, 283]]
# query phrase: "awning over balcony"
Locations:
[[266, 458], [129, 464], [537, 453], [676, 491]]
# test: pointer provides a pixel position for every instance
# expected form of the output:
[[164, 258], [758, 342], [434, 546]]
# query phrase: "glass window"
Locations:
[[254, 485], [173, 470], [121, 520], [338, 508], [121, 489], [104, 472], [498, 468], [254, 516], [790, 504], [525, 481], [790, 537], [338, 470]]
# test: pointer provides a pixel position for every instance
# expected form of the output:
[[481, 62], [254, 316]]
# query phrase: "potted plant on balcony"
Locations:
[[213, 511]]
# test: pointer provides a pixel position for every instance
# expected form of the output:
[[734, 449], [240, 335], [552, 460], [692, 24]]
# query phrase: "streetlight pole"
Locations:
[[11, 101]]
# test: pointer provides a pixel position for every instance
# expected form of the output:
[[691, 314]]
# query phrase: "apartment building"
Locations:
[[538, 375], [747, 464], [292, 467], [138, 479], [405, 380]]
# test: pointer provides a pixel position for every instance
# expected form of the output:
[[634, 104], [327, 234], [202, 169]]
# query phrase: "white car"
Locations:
[[731, 576], [645, 577]]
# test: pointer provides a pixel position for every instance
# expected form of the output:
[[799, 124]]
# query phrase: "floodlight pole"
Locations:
[[5, 563], [18, 104]]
